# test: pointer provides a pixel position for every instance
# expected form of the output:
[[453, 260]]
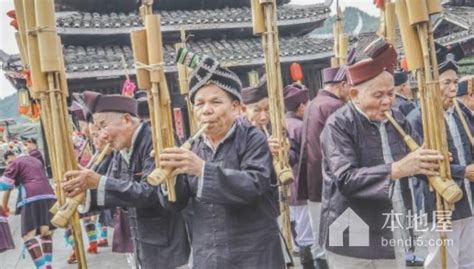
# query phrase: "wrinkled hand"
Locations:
[[422, 161], [183, 161], [469, 174], [79, 181], [275, 146]]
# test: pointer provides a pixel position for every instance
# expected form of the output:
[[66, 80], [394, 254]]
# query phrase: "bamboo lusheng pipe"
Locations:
[[448, 189], [184, 85], [465, 126], [159, 101], [390, 23], [39, 81], [159, 175], [411, 43], [94, 162], [435, 131], [105, 151], [20, 36], [271, 48], [47, 87], [338, 30]]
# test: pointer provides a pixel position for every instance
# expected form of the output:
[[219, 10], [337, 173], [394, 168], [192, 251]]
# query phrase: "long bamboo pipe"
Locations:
[[160, 175], [465, 126]]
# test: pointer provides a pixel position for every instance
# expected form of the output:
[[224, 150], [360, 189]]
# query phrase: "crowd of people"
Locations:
[[344, 153]]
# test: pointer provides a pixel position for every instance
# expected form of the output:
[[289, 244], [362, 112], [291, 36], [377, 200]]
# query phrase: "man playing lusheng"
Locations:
[[159, 235], [227, 176], [363, 159]]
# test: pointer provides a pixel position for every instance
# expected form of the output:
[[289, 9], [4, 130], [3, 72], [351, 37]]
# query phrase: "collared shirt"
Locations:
[[455, 134], [402, 96], [214, 149], [127, 153]]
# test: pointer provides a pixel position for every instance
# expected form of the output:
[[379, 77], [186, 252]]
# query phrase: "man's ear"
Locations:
[[354, 93], [243, 108]]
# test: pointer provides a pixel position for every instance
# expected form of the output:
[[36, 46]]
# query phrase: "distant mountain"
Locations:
[[356, 21], [9, 109]]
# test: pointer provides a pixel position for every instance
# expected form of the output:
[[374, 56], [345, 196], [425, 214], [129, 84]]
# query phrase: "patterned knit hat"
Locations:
[[207, 70]]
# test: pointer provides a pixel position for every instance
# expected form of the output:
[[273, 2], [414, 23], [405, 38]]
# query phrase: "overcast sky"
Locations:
[[8, 43]]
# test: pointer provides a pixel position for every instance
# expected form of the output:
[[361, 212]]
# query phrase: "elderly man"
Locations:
[[255, 108], [159, 236], [227, 177], [310, 179], [296, 98], [403, 94], [363, 158], [459, 254]]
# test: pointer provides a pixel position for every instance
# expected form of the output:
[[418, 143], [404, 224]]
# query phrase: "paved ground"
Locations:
[[105, 259], [12, 259]]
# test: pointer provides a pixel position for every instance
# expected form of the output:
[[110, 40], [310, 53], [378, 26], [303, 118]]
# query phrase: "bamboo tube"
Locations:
[[343, 48], [434, 6], [258, 21], [335, 34], [62, 71], [411, 43], [140, 54], [184, 90], [182, 74], [46, 31], [391, 23], [159, 176], [21, 48], [466, 128], [417, 11], [184, 85], [21, 39], [159, 101], [40, 84], [448, 189], [154, 44], [52, 100], [334, 62], [270, 44]]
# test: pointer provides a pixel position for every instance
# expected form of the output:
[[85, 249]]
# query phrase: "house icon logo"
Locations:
[[358, 230]]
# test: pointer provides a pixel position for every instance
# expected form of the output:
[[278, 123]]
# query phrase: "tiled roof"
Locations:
[[461, 15], [80, 60], [116, 5], [96, 61], [364, 39], [198, 18]]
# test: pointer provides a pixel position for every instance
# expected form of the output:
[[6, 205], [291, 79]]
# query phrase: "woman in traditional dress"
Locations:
[[36, 198]]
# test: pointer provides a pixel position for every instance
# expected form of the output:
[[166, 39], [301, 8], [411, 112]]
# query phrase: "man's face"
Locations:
[[214, 106], [448, 83], [99, 142], [113, 129], [258, 113], [374, 98]]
